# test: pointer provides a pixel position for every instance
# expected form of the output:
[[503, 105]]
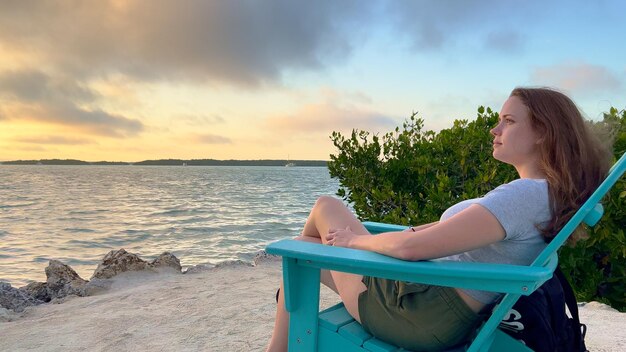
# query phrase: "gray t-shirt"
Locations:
[[520, 206]]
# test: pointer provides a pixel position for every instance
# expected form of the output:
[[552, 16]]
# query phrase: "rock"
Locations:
[[37, 290], [262, 257], [231, 263], [198, 268], [63, 280], [119, 261], [167, 260], [14, 299], [116, 262]]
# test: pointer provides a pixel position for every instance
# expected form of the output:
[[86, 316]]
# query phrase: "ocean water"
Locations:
[[203, 215]]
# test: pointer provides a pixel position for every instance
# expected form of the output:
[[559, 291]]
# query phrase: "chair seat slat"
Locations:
[[354, 332], [335, 317]]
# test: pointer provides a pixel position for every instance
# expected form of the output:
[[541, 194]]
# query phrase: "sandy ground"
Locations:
[[224, 309]]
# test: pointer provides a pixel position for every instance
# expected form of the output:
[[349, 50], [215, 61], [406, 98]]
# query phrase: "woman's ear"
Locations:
[[540, 137]]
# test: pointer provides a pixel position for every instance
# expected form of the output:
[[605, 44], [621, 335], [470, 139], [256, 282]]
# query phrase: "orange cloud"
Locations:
[[208, 138], [329, 117], [37, 96], [94, 122], [579, 77], [56, 140]]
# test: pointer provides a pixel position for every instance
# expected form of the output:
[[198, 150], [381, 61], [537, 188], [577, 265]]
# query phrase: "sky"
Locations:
[[272, 79]]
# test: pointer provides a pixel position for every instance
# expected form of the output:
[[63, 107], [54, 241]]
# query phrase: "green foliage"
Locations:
[[412, 175]]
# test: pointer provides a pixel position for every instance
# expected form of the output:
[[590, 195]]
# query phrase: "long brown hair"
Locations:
[[573, 159]]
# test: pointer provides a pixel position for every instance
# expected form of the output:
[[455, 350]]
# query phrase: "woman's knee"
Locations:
[[326, 201]]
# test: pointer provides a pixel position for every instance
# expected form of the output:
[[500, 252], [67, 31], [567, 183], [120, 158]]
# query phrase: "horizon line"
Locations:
[[184, 162]]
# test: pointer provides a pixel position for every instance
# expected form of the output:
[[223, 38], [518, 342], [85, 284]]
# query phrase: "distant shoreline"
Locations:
[[173, 162]]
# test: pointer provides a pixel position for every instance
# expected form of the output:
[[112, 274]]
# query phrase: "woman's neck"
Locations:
[[530, 171]]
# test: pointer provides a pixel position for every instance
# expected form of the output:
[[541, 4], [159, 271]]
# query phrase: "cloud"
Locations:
[[432, 25], [77, 46], [95, 121], [504, 41], [582, 78], [327, 118], [23, 85], [240, 42], [211, 139], [26, 148], [198, 120], [57, 140], [329, 110], [36, 96], [37, 86]]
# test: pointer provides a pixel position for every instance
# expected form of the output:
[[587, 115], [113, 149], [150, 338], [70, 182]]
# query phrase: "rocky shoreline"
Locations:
[[63, 281]]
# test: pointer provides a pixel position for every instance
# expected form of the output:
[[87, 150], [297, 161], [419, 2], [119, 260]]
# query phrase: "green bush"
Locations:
[[412, 175]]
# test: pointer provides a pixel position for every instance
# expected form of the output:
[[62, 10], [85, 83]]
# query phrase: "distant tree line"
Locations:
[[171, 162]]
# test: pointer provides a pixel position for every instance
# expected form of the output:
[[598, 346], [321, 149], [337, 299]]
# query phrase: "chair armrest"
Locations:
[[480, 276], [378, 227]]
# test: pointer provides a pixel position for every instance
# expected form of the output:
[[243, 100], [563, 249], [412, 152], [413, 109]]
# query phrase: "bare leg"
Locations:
[[328, 213], [278, 341], [331, 213]]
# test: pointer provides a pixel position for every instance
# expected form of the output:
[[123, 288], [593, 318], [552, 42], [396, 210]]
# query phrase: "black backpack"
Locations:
[[540, 320]]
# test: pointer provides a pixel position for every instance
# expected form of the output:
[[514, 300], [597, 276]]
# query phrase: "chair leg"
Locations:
[[302, 295]]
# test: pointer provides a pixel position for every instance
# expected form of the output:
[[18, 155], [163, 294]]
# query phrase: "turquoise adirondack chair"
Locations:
[[335, 330]]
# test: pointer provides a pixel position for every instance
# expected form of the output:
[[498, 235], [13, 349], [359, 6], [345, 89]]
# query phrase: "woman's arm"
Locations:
[[469, 229], [420, 227]]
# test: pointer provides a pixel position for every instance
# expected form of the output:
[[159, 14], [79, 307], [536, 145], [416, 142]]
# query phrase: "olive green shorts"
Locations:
[[416, 317]]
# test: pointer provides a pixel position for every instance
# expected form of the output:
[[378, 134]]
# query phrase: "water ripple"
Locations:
[[78, 230]]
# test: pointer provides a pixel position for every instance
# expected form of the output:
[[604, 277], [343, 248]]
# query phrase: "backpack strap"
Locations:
[[570, 300]]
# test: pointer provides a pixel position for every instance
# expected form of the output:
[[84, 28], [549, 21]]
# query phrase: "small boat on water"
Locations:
[[289, 163]]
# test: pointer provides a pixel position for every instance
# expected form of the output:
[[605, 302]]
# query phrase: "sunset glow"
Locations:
[[136, 80]]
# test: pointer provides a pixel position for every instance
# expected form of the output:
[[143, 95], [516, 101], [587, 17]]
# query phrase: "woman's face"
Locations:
[[515, 142]]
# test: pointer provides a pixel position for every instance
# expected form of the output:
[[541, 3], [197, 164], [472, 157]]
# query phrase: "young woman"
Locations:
[[543, 135]]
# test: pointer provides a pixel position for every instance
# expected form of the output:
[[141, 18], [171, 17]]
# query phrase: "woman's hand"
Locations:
[[341, 237]]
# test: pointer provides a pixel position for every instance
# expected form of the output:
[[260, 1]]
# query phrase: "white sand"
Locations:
[[226, 309]]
